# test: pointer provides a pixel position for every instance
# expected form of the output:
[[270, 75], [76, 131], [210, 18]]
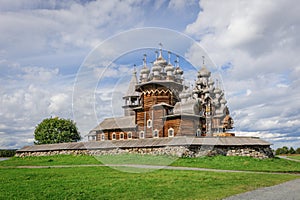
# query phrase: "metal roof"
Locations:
[[151, 142]]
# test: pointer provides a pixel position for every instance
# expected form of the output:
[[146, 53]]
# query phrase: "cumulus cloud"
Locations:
[[56, 27], [28, 95], [255, 46]]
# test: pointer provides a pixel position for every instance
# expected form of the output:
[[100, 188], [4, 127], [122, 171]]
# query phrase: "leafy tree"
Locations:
[[56, 130], [292, 151], [283, 150], [297, 151], [279, 151]]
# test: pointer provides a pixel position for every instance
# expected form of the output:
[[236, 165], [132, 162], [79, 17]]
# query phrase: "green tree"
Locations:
[[297, 151], [278, 151], [283, 150], [56, 130], [292, 151]]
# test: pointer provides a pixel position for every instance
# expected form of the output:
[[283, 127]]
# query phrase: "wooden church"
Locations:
[[159, 105]]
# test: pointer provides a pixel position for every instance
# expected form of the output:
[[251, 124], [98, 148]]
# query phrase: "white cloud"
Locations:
[[52, 30], [256, 42], [258, 45], [58, 102]]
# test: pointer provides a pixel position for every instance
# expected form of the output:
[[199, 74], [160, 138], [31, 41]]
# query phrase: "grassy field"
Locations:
[[216, 162], [296, 157], [240, 163], [99, 182], [107, 183], [50, 160]]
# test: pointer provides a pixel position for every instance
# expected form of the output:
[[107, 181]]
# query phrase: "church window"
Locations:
[[113, 136], [121, 136], [142, 135], [170, 132], [149, 123], [129, 135], [155, 133]]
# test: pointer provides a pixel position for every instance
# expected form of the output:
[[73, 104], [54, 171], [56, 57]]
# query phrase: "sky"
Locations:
[[70, 58]]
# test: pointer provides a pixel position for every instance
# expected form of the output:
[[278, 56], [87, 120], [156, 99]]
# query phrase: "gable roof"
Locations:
[[151, 142], [116, 123]]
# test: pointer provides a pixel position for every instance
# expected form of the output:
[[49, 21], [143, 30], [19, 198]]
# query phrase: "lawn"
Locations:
[[240, 163], [107, 183], [296, 157], [50, 160], [216, 162], [100, 182]]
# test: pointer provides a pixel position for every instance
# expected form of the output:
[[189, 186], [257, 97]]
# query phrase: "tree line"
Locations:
[[286, 150], [7, 152]]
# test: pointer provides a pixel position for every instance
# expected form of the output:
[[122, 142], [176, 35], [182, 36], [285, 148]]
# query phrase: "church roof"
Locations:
[[153, 142], [116, 123], [131, 88], [204, 72]]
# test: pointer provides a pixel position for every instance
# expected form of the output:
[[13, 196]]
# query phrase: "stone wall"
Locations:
[[178, 151]]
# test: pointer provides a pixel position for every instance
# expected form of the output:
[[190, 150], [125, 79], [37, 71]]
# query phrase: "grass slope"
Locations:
[[106, 183], [240, 163], [50, 160], [294, 157], [216, 162]]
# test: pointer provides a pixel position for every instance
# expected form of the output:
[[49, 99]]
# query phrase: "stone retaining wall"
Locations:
[[178, 151]]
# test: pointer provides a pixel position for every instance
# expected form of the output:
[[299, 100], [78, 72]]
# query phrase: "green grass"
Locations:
[[294, 157], [50, 160], [106, 183], [240, 163], [217, 162], [136, 159]]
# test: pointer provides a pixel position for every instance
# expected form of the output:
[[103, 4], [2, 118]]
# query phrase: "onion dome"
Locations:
[[223, 101], [217, 91], [169, 67], [211, 82], [145, 69], [156, 67], [203, 72], [178, 70], [160, 60]]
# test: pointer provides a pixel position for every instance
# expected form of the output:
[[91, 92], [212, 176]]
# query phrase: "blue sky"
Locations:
[[43, 44]]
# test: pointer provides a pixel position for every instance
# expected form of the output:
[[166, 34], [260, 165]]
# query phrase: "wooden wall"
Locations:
[[109, 133]]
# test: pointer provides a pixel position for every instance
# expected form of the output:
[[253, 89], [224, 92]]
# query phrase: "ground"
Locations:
[[84, 177]]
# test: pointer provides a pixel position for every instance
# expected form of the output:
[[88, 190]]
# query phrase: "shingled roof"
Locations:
[[116, 123], [151, 142], [131, 88]]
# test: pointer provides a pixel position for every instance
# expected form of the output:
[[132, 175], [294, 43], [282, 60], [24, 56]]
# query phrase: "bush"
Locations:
[[7, 152]]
